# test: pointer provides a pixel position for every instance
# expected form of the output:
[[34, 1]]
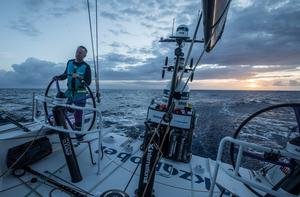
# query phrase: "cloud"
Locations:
[[111, 15], [24, 26], [30, 73], [42, 10], [132, 11], [287, 83], [59, 12], [254, 35], [294, 83], [115, 58], [53, 7], [279, 83], [260, 36]]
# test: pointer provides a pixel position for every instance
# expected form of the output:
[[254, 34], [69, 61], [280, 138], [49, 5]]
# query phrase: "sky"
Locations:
[[259, 50]]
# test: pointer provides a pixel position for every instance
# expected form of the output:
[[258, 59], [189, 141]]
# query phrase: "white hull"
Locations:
[[121, 157]]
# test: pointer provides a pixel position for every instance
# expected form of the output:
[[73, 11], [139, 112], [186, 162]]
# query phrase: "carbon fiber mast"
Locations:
[[170, 122]]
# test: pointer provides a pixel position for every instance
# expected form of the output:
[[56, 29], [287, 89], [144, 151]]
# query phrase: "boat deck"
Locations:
[[120, 159]]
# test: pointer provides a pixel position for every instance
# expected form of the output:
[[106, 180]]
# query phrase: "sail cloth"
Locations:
[[214, 19]]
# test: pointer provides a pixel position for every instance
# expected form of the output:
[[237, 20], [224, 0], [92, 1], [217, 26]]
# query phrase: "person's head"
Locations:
[[80, 53]]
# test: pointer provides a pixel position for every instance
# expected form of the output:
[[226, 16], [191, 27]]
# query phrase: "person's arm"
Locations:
[[62, 76], [87, 75]]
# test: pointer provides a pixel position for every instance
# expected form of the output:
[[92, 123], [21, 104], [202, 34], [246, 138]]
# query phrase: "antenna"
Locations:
[[173, 26]]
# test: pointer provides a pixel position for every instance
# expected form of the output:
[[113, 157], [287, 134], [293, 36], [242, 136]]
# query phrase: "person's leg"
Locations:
[[69, 95], [80, 101]]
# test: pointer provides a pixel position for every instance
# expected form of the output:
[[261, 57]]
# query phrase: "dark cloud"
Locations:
[[279, 83], [294, 83], [148, 70], [115, 45], [24, 26], [122, 31], [257, 35], [264, 33], [139, 68], [111, 15], [41, 10], [63, 10], [115, 58], [31, 73], [118, 45], [147, 25], [236, 72], [118, 31], [34, 4], [132, 12], [287, 83], [132, 84]]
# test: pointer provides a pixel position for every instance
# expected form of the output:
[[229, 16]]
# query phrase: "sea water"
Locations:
[[219, 113]]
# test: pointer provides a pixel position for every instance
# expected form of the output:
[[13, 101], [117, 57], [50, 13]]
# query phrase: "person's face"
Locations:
[[80, 54]]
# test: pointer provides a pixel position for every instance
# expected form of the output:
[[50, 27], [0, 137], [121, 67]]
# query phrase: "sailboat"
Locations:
[[42, 158]]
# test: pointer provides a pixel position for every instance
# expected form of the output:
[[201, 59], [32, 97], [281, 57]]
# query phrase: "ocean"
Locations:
[[219, 114]]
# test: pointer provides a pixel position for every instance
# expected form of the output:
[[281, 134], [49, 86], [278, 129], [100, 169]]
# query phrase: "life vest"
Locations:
[[73, 84]]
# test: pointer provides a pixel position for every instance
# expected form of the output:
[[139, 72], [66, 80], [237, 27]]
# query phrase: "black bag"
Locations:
[[39, 149]]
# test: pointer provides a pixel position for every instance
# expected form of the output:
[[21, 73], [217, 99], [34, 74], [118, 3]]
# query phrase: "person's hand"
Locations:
[[76, 76], [55, 78]]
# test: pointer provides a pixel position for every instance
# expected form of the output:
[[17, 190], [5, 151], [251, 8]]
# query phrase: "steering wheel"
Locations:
[[90, 99], [245, 122]]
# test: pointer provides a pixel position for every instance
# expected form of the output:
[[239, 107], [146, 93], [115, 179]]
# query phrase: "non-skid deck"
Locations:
[[120, 159]]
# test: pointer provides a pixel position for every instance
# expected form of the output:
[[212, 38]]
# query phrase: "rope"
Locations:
[[74, 186], [145, 151], [191, 46], [22, 155], [119, 165], [131, 177], [57, 170], [192, 180], [97, 46], [193, 70], [157, 158], [92, 39], [205, 47], [162, 183]]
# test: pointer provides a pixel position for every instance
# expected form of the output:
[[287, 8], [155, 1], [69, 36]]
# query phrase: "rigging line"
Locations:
[[192, 180], [158, 126], [57, 170], [97, 56], [92, 39], [159, 155], [191, 46], [205, 47], [146, 149], [131, 177], [22, 155], [193, 70], [162, 183], [75, 187], [223, 13], [118, 165]]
